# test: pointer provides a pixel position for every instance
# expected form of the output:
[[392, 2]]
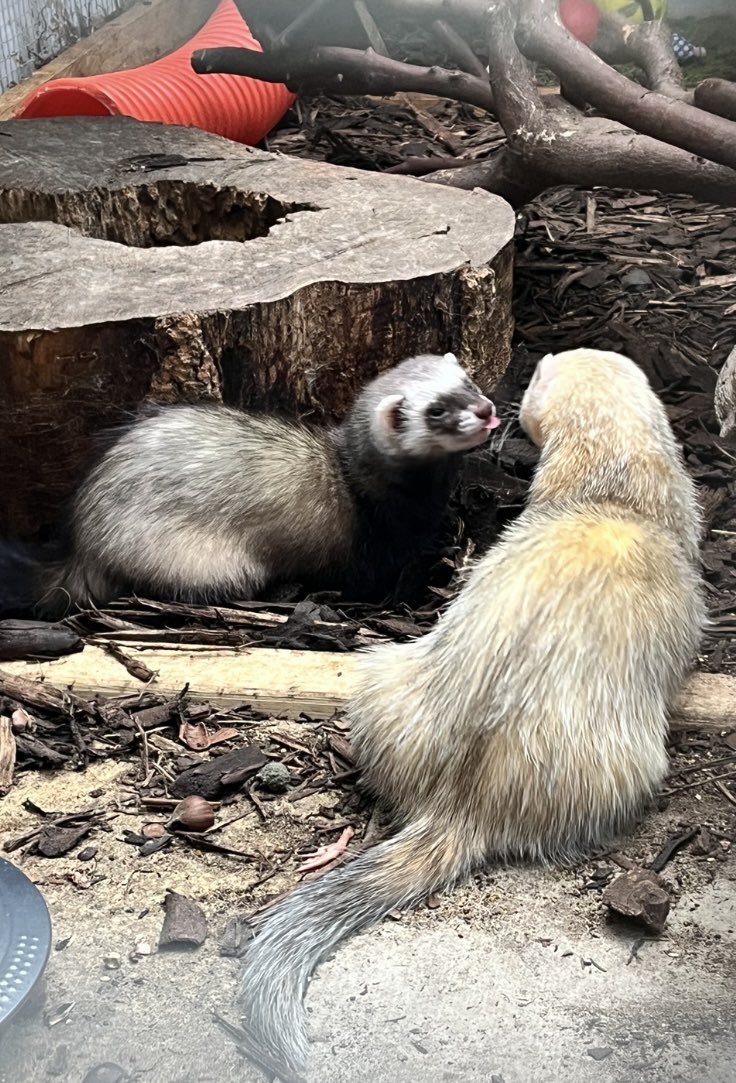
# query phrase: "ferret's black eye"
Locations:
[[436, 410]]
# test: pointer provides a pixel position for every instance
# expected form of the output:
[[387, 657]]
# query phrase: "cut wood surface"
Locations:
[[144, 261], [140, 35], [289, 683]]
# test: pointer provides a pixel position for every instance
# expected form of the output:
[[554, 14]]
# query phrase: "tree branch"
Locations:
[[614, 157], [466, 13], [501, 173], [345, 71], [307, 15], [420, 167], [543, 38], [550, 143], [609, 154], [650, 46], [717, 96], [518, 101], [458, 49]]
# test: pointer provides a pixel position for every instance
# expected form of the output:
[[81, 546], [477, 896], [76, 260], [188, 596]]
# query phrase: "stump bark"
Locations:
[[142, 261]]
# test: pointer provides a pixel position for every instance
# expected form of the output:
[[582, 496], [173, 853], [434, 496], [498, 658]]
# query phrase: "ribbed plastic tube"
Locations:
[[168, 91]]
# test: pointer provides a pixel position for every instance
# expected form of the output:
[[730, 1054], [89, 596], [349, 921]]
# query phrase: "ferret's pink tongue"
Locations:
[[493, 423]]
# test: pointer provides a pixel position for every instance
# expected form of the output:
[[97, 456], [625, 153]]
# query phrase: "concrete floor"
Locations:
[[535, 995], [519, 977]]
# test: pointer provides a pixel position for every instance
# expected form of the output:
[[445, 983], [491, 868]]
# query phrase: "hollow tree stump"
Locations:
[[142, 261]]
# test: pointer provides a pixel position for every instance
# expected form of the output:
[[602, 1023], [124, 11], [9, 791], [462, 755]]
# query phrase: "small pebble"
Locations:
[[635, 280], [274, 777], [154, 830], [600, 1052], [58, 1064], [142, 948], [106, 1073], [703, 843], [87, 853]]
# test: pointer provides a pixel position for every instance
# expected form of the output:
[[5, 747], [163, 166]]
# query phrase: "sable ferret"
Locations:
[[205, 503], [531, 721]]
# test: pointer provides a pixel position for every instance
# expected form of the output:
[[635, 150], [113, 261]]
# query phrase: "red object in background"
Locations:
[[170, 92], [580, 17]]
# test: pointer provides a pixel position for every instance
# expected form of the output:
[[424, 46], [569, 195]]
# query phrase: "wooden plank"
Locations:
[[282, 682], [141, 34], [290, 683], [708, 702]]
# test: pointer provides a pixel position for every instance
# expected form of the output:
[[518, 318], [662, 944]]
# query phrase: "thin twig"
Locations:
[[144, 748], [203, 843], [725, 791], [257, 805], [699, 782], [706, 765]]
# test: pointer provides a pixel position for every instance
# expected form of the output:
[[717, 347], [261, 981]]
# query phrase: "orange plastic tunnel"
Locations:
[[170, 92]]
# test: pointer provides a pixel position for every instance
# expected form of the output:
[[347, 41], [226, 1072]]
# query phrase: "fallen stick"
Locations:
[[284, 683], [7, 754], [32, 638]]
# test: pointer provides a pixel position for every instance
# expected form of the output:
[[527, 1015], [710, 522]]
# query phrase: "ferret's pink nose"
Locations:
[[484, 409]]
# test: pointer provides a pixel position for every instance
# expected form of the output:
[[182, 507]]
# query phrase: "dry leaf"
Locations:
[[324, 854], [197, 737]]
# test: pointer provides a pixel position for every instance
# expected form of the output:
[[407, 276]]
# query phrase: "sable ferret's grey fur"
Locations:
[[531, 721], [205, 503]]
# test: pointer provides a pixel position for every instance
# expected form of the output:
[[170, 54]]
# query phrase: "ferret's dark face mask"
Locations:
[[459, 421], [430, 421]]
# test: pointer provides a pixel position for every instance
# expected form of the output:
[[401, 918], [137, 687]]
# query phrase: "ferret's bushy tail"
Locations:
[[66, 585], [301, 931]]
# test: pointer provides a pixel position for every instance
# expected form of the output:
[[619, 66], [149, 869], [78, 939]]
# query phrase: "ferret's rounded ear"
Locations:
[[534, 401], [387, 413], [544, 374], [546, 367], [451, 359]]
